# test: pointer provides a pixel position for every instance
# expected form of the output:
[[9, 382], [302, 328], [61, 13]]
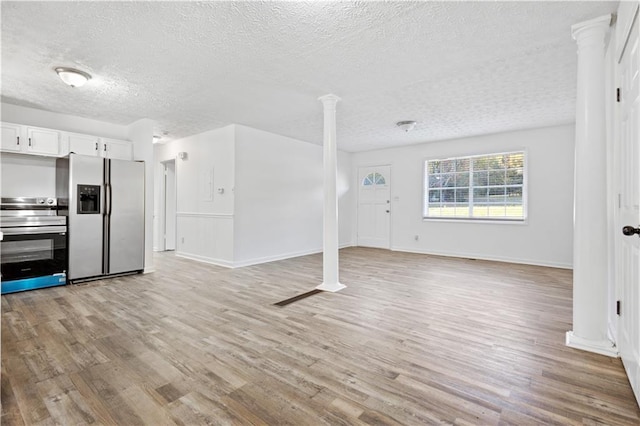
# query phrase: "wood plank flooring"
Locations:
[[412, 340]]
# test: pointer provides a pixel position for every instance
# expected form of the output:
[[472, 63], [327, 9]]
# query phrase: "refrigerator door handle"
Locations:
[[107, 199], [110, 200]]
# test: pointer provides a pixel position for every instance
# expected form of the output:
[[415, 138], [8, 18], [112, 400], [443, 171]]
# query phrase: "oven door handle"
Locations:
[[34, 230]]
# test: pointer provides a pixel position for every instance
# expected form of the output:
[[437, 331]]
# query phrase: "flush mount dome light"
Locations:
[[73, 77], [407, 125], [158, 138]]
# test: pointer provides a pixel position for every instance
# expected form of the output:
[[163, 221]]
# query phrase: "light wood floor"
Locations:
[[413, 340]]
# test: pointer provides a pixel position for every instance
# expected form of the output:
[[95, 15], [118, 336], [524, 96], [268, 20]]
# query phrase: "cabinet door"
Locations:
[[120, 150], [84, 144], [43, 141], [11, 137]]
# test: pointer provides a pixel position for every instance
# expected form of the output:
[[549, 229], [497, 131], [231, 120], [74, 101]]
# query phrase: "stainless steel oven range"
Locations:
[[33, 251]]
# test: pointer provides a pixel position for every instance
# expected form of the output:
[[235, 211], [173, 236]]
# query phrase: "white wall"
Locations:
[[204, 216], [271, 202], [545, 239], [279, 197], [27, 175]]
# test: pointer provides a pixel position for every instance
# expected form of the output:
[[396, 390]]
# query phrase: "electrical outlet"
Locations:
[[182, 240], [416, 237]]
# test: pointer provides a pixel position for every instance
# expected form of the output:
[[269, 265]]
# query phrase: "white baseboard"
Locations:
[[148, 270], [484, 257], [211, 260], [254, 261], [266, 259], [602, 347]]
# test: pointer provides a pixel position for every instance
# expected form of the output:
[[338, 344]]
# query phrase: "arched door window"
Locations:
[[374, 179]]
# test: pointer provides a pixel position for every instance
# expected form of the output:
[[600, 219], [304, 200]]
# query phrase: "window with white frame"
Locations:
[[484, 187]]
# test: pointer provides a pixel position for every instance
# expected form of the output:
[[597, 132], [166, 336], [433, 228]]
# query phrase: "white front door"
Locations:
[[374, 206], [628, 164]]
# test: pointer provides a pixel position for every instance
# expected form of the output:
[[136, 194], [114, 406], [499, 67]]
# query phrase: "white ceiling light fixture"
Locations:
[[158, 138], [406, 125], [72, 76]]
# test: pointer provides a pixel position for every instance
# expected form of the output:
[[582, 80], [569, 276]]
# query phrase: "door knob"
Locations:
[[630, 230], [387, 211]]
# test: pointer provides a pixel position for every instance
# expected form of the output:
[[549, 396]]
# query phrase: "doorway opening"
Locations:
[[169, 204]]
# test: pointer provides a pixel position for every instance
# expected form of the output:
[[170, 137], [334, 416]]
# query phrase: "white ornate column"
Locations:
[[330, 280], [590, 225]]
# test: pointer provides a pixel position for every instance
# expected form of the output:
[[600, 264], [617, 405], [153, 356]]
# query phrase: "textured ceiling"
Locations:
[[457, 68]]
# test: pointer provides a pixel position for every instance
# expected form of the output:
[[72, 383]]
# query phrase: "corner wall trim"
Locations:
[[603, 347], [612, 332]]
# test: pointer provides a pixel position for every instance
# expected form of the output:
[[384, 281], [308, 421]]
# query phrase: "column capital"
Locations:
[[329, 100], [585, 28]]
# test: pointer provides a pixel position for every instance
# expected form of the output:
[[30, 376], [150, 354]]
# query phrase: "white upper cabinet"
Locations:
[[11, 137], [43, 141], [100, 147], [40, 141], [84, 144], [30, 140], [113, 148]]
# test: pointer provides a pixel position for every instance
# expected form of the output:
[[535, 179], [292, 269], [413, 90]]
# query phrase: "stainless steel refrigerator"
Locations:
[[104, 200]]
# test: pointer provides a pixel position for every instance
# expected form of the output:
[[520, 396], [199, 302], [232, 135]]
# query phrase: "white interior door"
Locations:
[[628, 164], [170, 205], [374, 206]]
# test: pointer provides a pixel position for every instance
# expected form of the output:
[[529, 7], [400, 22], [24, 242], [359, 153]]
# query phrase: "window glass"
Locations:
[[476, 187], [374, 179]]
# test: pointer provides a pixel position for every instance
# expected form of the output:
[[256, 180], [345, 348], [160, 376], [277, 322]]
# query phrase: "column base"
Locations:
[[602, 347], [331, 287]]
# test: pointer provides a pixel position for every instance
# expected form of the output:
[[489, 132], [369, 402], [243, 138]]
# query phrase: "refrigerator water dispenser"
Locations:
[[88, 199]]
